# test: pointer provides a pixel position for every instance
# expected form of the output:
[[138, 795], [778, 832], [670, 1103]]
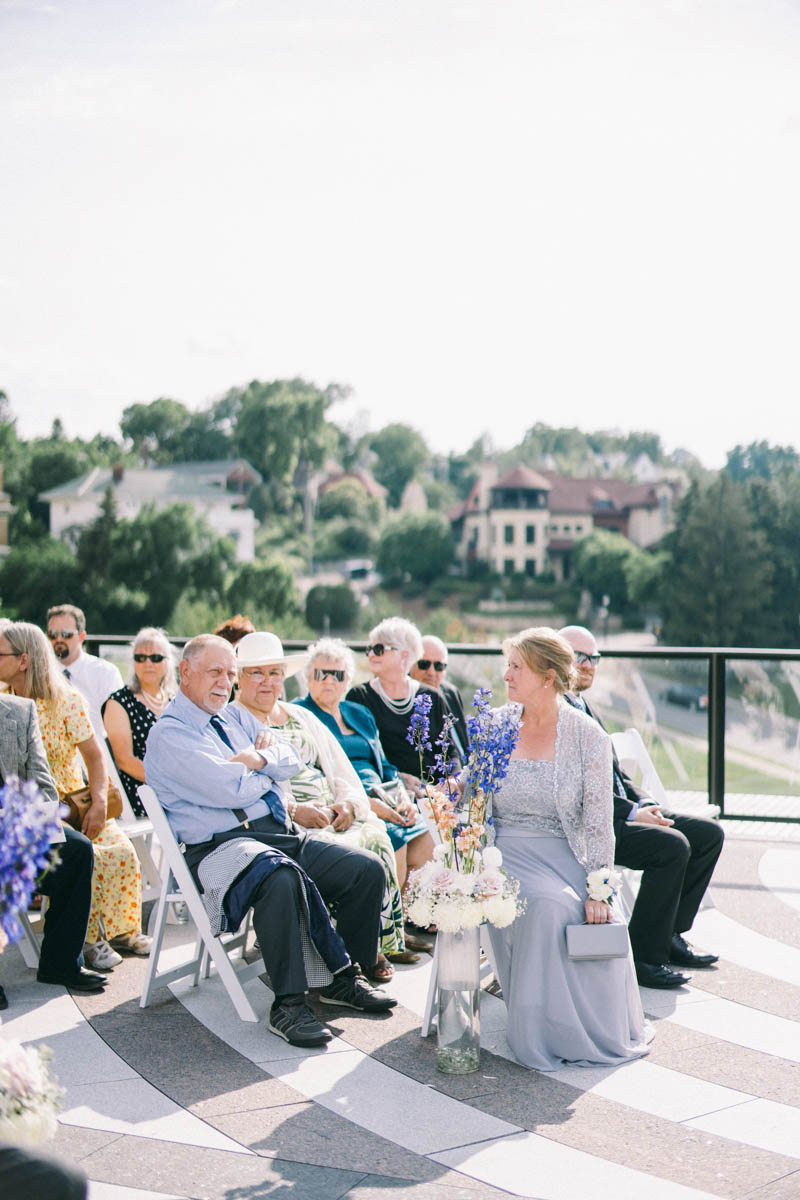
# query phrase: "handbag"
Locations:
[[394, 793], [609, 940], [78, 803]]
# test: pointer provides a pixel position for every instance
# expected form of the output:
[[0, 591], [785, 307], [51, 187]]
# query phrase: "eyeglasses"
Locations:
[[258, 676], [424, 664], [378, 649], [149, 658], [10, 653], [321, 673], [56, 635], [581, 658]]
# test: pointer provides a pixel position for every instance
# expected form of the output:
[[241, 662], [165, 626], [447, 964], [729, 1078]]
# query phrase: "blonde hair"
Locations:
[[154, 636], [542, 649], [43, 678]]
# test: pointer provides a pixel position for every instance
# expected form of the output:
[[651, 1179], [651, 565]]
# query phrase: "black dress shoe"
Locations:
[[682, 954], [3, 1000], [79, 980], [654, 975]]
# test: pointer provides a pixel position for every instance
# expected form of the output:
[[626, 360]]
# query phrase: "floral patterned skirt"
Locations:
[[116, 885]]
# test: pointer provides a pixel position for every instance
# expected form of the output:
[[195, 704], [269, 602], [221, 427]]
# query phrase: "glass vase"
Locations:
[[458, 1025]]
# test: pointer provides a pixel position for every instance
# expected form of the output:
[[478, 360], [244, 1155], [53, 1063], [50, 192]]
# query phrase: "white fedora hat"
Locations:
[[265, 650]]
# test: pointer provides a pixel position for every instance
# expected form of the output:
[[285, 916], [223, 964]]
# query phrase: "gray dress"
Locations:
[[559, 1012]]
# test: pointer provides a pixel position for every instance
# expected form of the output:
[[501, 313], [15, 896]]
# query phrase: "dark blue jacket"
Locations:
[[361, 720]]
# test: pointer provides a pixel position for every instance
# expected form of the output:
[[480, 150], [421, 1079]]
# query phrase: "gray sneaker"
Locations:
[[295, 1023], [353, 991]]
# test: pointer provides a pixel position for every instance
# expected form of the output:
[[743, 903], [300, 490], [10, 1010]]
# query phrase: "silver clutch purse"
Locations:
[[598, 941]]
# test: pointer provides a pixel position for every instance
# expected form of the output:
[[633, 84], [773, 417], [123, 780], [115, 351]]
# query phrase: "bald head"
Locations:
[[584, 648], [434, 655]]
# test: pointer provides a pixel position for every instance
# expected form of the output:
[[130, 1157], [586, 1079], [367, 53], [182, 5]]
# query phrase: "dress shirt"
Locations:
[[95, 679], [186, 764]]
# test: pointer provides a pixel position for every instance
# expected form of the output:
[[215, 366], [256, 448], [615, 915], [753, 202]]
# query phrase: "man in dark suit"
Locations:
[[68, 886], [431, 669], [675, 853]]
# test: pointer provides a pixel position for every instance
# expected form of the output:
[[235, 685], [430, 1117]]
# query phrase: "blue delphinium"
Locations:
[[418, 733], [26, 831], [493, 734], [446, 765]]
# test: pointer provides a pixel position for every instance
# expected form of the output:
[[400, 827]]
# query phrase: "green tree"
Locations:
[[344, 539], [266, 588], [155, 429], [760, 460], [402, 454], [775, 509], [718, 574], [349, 499], [331, 608], [36, 575], [420, 547], [601, 563]]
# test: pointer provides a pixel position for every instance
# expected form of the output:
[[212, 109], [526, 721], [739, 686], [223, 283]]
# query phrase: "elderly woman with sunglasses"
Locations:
[[327, 797], [330, 673], [130, 713], [395, 644]]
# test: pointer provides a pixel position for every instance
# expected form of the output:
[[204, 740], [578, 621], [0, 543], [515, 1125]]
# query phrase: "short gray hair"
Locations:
[[196, 645], [397, 631], [335, 648], [152, 635]]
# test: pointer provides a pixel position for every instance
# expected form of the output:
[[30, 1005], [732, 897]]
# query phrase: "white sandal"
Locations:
[[133, 943]]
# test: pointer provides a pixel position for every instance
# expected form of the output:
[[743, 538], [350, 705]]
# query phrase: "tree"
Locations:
[[761, 460], [775, 509], [156, 428], [417, 546], [349, 499], [344, 539], [718, 572], [402, 453], [34, 576], [602, 563], [331, 608], [266, 587]]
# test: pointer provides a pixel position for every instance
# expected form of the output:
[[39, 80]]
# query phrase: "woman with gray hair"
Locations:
[[394, 645], [130, 713], [330, 672]]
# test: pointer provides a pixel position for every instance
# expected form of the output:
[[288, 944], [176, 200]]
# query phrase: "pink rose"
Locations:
[[442, 879], [490, 883]]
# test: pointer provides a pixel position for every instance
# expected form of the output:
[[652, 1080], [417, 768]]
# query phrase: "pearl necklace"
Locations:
[[401, 707], [156, 704]]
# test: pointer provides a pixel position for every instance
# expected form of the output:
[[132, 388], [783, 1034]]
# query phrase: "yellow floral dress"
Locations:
[[117, 878]]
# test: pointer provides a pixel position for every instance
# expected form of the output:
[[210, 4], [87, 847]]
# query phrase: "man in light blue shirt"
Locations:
[[218, 775]]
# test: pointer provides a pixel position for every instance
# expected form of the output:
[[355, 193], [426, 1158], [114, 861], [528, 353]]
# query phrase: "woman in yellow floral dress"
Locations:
[[115, 922]]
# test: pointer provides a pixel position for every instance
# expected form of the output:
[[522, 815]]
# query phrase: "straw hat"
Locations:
[[265, 650]]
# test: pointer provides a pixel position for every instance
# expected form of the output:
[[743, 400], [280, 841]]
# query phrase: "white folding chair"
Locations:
[[140, 831], [635, 760], [178, 886], [29, 943]]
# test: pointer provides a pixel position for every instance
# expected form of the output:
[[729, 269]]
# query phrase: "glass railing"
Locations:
[[721, 725]]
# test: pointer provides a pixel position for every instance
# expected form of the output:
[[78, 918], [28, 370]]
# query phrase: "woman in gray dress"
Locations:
[[552, 822]]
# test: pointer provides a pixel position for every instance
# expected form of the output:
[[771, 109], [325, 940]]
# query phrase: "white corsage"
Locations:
[[603, 884]]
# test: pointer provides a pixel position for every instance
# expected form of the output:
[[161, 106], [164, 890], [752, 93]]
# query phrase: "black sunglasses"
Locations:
[[425, 663], [581, 658], [149, 657], [378, 649], [328, 673], [56, 635]]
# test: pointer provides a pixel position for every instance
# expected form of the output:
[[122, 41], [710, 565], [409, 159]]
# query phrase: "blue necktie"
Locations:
[[270, 798]]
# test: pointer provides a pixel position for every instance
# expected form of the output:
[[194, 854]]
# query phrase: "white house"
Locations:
[[215, 490]]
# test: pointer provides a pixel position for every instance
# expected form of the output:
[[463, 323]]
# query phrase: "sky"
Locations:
[[477, 214]]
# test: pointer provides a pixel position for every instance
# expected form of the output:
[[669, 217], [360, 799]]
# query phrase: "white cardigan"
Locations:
[[334, 763]]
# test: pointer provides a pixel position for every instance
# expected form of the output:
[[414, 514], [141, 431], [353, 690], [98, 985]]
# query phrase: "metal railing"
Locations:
[[716, 662]]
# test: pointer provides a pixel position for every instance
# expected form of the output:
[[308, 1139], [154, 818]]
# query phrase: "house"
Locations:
[[527, 521], [215, 490]]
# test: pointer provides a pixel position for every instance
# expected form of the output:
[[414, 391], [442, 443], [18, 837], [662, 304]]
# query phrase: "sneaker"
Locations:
[[353, 991], [133, 943], [100, 957], [292, 1020]]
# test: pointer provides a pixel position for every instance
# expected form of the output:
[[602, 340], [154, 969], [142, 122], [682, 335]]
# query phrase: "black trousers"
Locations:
[[30, 1175], [677, 863], [69, 890], [350, 881]]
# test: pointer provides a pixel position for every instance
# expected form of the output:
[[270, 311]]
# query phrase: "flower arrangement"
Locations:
[[26, 831], [602, 884], [465, 884], [29, 1096]]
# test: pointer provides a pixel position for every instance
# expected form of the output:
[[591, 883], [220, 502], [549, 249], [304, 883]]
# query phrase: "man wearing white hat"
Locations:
[[218, 774]]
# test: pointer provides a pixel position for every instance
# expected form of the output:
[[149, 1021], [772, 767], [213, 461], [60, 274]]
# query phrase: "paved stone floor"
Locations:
[[185, 1100]]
